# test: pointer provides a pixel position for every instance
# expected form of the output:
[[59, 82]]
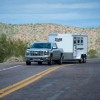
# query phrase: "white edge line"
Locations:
[[10, 68]]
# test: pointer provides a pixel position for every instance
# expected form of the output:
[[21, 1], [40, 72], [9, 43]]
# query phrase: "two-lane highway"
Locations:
[[58, 82], [12, 73]]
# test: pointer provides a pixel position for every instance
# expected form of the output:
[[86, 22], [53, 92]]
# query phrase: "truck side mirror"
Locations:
[[28, 47], [54, 47]]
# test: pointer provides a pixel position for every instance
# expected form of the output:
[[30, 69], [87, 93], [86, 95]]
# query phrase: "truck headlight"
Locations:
[[46, 52], [27, 52]]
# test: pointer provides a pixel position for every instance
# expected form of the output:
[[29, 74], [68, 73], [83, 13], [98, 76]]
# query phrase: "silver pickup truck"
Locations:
[[44, 52]]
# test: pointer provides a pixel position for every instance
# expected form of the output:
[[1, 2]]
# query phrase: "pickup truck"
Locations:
[[44, 52]]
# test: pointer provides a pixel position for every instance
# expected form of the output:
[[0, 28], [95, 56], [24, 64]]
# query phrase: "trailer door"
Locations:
[[74, 46], [75, 50]]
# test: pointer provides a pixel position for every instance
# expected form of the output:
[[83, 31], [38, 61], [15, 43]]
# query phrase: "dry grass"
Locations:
[[39, 32]]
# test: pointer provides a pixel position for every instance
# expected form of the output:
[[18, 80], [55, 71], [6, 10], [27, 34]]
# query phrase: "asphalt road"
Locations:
[[70, 81]]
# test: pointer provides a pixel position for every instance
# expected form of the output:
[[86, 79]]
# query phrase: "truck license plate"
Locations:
[[36, 59]]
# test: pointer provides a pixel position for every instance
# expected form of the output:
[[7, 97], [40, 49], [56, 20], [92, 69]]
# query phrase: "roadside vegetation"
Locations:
[[11, 48], [92, 53]]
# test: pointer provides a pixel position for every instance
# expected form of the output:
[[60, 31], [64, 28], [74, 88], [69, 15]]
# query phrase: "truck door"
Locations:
[[56, 52]]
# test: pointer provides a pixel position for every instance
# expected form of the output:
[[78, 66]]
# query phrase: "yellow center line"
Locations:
[[27, 81]]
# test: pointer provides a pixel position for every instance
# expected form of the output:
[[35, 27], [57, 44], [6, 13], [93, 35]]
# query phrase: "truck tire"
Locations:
[[60, 60], [40, 63], [28, 63], [50, 62]]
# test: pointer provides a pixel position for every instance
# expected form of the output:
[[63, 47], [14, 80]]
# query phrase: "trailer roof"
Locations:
[[72, 34]]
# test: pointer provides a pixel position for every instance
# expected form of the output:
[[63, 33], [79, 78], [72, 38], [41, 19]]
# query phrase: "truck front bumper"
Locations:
[[37, 59]]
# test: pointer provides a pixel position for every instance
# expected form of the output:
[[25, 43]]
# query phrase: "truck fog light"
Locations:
[[46, 58]]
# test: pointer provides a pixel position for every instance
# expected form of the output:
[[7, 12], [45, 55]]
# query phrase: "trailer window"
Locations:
[[58, 39], [78, 41], [81, 40], [74, 40]]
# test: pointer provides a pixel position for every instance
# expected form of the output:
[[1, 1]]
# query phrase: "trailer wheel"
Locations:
[[81, 60], [84, 60], [50, 61], [60, 60], [28, 63]]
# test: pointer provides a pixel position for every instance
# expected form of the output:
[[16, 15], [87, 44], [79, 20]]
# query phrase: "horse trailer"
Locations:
[[75, 46]]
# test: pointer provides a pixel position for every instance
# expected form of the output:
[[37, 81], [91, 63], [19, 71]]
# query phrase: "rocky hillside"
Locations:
[[39, 32]]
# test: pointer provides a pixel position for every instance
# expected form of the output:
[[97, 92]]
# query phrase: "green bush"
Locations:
[[92, 53], [9, 48]]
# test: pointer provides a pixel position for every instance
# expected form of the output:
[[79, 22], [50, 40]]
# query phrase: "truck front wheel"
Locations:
[[28, 63], [50, 62]]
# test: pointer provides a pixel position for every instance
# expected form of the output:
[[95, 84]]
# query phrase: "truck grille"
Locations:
[[36, 53]]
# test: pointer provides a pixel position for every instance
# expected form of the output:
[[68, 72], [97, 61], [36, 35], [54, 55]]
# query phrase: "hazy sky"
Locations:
[[82, 13]]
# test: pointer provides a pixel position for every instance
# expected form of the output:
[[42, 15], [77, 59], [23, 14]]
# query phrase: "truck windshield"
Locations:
[[41, 45]]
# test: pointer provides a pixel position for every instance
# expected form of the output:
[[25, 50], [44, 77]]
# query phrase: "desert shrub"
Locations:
[[9, 48], [92, 53], [3, 44]]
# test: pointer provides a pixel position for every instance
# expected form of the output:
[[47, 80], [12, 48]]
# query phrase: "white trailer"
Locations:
[[75, 46]]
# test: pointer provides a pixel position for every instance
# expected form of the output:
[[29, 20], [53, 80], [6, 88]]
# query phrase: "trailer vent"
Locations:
[[58, 39]]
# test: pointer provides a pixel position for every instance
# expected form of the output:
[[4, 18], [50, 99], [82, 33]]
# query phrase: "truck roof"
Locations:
[[43, 42]]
